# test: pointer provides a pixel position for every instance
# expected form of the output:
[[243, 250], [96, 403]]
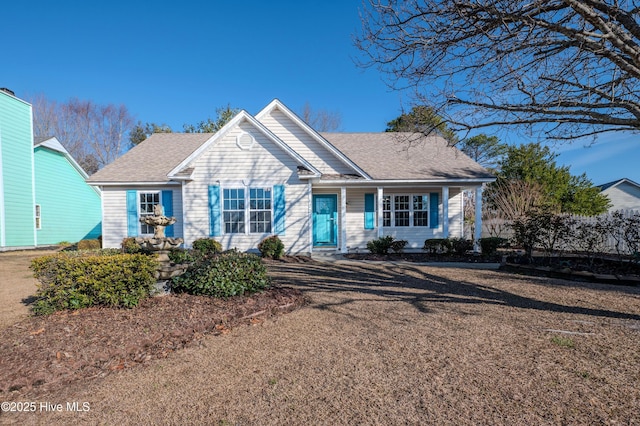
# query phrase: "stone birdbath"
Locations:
[[160, 244]]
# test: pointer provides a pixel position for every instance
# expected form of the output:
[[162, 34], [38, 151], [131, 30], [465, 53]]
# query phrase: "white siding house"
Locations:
[[273, 174], [624, 194]]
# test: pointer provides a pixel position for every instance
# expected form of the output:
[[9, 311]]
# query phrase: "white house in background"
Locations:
[[624, 194], [273, 174]]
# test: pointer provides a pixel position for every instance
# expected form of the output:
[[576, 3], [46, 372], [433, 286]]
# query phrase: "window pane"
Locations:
[[420, 218], [402, 218], [260, 210], [233, 214], [147, 201]]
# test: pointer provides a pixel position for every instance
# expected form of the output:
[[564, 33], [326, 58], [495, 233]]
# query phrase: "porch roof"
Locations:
[[407, 156]]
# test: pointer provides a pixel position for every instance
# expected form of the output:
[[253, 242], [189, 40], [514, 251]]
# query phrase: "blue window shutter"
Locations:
[[369, 211], [279, 209], [215, 217], [132, 213], [433, 209], [167, 206]]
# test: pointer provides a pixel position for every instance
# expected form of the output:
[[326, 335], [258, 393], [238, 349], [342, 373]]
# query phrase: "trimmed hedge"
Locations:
[[75, 281], [490, 245], [207, 246], [228, 274], [89, 244], [437, 245], [271, 247]]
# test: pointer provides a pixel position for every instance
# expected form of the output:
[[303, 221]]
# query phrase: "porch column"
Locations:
[[445, 212], [310, 216], [343, 219], [379, 218], [478, 225]]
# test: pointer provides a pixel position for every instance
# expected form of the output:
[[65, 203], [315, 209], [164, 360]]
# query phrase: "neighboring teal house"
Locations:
[[17, 187], [44, 198], [67, 209]]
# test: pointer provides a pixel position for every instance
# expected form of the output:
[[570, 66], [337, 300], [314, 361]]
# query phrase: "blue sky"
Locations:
[[176, 62]]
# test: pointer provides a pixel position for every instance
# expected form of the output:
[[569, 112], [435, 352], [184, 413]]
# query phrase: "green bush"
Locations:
[[89, 244], [224, 275], [459, 246], [271, 247], [380, 245], [490, 245], [130, 246], [79, 280], [178, 255], [207, 246], [397, 246], [437, 245]]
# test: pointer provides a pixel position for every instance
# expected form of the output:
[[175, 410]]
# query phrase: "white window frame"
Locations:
[[390, 201], [141, 226], [247, 210]]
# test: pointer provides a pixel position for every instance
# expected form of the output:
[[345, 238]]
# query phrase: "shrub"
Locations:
[[74, 281], [89, 244], [224, 275], [398, 245], [460, 246], [130, 246], [490, 245], [380, 245], [271, 247], [206, 246], [178, 255], [437, 245]]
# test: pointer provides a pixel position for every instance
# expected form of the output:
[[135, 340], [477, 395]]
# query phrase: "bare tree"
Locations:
[[321, 120], [93, 134], [513, 199], [560, 69]]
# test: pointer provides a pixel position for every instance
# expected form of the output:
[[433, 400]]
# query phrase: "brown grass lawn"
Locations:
[[392, 344]]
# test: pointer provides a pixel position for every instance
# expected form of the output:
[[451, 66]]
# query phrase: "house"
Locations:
[[44, 198], [273, 174], [66, 207], [624, 194], [17, 192]]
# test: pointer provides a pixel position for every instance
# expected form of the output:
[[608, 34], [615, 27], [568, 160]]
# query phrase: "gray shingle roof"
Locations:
[[400, 156], [386, 156], [152, 159]]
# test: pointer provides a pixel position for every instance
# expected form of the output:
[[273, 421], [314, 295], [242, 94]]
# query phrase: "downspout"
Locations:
[[33, 180], [2, 212]]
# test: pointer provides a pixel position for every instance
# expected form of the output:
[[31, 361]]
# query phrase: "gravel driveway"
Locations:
[[395, 344]]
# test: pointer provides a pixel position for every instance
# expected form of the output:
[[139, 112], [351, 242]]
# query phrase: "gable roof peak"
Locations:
[[277, 104]]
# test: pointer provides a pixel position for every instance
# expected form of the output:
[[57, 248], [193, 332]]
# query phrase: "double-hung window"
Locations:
[[234, 211], [259, 210], [147, 200], [405, 210], [250, 209], [420, 210]]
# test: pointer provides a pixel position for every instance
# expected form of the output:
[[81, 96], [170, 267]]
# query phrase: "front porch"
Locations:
[[346, 217]]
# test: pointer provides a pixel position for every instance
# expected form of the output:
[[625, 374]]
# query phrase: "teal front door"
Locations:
[[325, 220]]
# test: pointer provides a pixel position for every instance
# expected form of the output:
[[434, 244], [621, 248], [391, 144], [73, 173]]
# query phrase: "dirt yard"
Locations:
[[16, 284], [386, 344]]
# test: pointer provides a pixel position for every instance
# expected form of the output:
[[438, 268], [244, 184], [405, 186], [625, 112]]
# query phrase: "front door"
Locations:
[[325, 220]]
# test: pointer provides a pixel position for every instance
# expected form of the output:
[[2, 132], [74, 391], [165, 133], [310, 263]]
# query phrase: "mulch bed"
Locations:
[[40, 354], [424, 257]]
